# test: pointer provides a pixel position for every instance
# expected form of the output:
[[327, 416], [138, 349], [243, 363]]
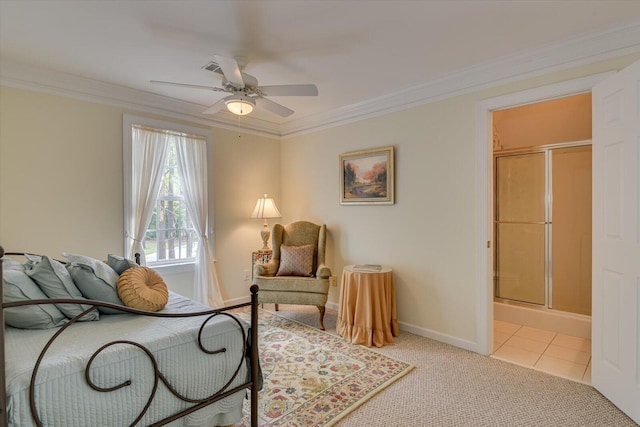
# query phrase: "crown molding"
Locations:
[[569, 53], [56, 83]]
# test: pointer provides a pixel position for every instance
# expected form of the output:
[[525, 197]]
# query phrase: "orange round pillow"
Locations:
[[142, 288]]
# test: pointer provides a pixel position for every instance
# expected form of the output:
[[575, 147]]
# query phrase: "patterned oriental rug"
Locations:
[[314, 378]]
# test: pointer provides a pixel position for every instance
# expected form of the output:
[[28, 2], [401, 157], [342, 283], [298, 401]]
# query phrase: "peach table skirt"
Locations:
[[367, 311]]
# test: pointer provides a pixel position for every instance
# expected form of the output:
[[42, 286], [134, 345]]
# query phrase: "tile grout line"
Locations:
[[548, 344], [545, 350]]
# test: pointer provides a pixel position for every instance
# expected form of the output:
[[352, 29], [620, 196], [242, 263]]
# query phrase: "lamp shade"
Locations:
[[240, 104], [265, 208]]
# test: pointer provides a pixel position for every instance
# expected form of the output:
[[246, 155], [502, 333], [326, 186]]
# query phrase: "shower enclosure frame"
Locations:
[[548, 220]]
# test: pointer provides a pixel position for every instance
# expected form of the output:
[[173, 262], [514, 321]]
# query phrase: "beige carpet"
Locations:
[[454, 387]]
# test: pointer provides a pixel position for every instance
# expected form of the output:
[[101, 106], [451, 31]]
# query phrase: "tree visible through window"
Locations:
[[170, 235], [168, 218], [157, 219]]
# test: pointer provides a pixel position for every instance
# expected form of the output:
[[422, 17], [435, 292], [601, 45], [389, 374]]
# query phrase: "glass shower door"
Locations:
[[520, 268], [571, 239]]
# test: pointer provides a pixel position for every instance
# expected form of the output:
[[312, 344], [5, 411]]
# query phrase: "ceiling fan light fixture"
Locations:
[[240, 105]]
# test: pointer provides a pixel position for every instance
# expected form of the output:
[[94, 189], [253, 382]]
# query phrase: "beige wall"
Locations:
[[61, 185], [429, 235], [61, 190]]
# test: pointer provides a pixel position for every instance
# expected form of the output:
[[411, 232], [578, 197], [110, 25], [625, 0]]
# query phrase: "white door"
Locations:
[[616, 240]]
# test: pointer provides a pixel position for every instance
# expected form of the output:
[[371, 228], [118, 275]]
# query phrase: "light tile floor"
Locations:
[[557, 354]]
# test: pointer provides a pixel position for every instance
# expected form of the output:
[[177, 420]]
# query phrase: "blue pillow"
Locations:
[[120, 264], [17, 286], [11, 264], [31, 260], [95, 279], [56, 282]]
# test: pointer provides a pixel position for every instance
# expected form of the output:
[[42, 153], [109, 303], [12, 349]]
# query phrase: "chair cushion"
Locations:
[[143, 288], [296, 261], [292, 284]]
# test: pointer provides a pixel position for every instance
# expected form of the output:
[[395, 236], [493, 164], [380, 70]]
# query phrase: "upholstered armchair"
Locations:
[[296, 273]]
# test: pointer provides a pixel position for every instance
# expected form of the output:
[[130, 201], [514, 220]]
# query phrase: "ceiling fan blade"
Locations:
[[230, 70], [274, 107], [215, 107], [289, 90], [213, 88]]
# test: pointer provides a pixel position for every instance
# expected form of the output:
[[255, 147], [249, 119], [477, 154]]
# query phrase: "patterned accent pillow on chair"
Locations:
[[296, 261]]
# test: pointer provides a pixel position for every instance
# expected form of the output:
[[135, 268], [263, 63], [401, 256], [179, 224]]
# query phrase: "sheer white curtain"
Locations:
[[191, 157], [149, 152]]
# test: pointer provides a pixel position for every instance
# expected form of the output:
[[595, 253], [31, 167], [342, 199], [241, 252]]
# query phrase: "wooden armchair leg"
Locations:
[[277, 307], [322, 309]]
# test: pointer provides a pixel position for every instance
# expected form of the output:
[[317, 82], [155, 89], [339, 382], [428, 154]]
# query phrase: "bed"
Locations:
[[185, 365]]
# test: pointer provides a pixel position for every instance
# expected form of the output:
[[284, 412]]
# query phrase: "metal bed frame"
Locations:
[[250, 350]]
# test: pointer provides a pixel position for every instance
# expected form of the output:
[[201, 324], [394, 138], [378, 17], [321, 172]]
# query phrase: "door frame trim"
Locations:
[[484, 189]]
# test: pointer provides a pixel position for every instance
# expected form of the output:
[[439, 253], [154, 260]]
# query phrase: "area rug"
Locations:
[[314, 378]]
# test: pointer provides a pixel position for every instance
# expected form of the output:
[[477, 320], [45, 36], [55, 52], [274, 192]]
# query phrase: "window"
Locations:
[[170, 236], [152, 174]]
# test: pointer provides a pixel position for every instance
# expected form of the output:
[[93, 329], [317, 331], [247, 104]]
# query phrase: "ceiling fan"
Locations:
[[244, 90]]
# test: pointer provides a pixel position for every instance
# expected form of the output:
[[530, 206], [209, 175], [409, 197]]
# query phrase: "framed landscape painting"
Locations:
[[366, 177]]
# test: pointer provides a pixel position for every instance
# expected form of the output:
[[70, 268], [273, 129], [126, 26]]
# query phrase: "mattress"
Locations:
[[63, 397]]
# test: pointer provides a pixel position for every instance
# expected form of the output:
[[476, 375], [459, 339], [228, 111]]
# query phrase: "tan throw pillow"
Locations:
[[142, 288], [296, 261]]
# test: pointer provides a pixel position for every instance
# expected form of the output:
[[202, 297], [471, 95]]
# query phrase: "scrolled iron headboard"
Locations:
[[253, 383]]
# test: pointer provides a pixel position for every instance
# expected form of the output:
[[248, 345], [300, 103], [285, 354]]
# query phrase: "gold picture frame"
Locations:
[[367, 177]]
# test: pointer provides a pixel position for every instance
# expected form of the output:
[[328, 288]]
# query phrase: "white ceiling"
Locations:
[[357, 52]]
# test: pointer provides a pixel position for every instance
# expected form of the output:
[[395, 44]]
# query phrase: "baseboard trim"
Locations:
[[332, 306], [404, 326], [236, 301], [438, 336], [428, 333]]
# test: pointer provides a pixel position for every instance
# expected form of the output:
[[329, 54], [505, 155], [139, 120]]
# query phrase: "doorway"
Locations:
[[542, 235], [542, 204], [616, 381], [484, 180]]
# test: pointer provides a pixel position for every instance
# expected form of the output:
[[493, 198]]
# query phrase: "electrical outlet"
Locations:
[[246, 275], [333, 280]]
